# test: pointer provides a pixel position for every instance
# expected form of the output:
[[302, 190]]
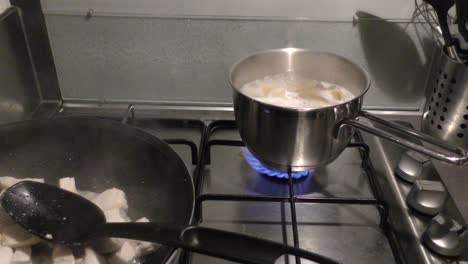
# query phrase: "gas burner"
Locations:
[[271, 172]]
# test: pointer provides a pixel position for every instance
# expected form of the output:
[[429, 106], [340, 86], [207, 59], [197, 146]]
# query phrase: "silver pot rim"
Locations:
[[292, 50]]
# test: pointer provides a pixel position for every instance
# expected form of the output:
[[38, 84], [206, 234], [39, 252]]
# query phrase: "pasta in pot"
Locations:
[[294, 91]]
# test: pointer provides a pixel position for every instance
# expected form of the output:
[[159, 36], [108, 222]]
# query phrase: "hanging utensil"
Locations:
[[462, 18], [459, 39], [441, 8], [462, 45], [63, 217]]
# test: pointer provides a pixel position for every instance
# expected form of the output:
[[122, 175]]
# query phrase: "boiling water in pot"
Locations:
[[295, 91]]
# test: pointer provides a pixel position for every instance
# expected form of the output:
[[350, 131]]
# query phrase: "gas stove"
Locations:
[[376, 203], [354, 210]]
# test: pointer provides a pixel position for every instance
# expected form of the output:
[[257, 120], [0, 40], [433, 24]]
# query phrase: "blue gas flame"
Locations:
[[261, 168]]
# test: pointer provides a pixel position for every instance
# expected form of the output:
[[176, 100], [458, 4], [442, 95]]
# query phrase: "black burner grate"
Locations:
[[205, 154], [202, 156]]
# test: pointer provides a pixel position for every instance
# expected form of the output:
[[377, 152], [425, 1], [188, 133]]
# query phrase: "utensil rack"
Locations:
[[424, 11]]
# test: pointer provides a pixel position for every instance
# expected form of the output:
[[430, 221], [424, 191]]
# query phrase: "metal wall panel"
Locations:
[[36, 33], [171, 60], [316, 9], [19, 94]]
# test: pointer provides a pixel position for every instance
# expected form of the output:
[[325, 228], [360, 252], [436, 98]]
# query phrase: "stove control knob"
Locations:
[[445, 236], [413, 166], [427, 197]]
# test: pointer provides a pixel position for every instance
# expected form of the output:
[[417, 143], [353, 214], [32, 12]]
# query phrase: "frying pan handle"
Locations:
[[213, 242], [408, 138]]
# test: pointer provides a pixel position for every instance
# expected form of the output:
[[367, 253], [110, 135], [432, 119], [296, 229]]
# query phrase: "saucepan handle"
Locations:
[[410, 138]]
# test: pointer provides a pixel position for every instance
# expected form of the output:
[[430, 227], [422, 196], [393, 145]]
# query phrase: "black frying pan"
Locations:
[[102, 154]]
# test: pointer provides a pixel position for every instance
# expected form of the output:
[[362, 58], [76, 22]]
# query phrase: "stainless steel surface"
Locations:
[[446, 111], [456, 180], [319, 225], [39, 46], [408, 225], [411, 139], [383, 64], [442, 236], [312, 138], [189, 59], [19, 94], [413, 166], [452, 176], [427, 197], [332, 229], [119, 52], [319, 10]]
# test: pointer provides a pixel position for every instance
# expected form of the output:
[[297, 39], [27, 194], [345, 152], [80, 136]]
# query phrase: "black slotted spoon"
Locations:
[[64, 217], [462, 18], [441, 8]]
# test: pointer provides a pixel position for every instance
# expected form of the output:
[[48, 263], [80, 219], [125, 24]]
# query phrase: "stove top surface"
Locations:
[[349, 233]]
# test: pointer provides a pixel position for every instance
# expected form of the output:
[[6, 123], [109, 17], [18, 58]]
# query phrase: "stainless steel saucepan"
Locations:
[[302, 138]]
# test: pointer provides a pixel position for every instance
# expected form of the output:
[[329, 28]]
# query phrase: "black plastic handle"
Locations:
[[442, 7], [213, 242], [462, 18]]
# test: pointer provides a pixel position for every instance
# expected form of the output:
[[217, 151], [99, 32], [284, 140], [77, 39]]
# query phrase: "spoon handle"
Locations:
[[213, 242]]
